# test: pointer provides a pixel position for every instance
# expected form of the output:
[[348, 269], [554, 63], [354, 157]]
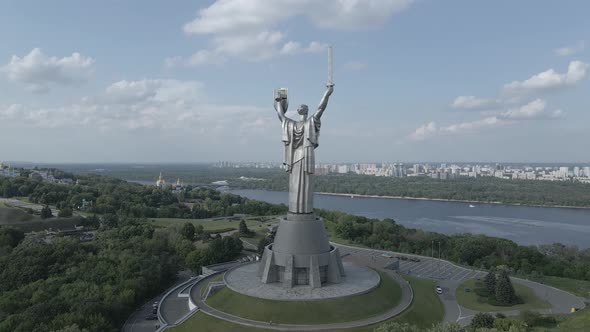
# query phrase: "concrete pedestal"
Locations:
[[301, 254]]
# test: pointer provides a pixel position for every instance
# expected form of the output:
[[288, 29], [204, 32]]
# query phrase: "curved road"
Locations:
[[450, 276], [175, 308]]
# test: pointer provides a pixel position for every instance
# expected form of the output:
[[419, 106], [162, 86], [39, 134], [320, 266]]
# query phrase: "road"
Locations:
[[137, 322], [450, 276], [169, 309]]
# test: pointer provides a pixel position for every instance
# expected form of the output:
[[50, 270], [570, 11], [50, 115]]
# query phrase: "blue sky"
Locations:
[[192, 81]]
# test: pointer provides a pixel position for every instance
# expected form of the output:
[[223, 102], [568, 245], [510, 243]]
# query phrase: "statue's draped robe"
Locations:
[[300, 139]]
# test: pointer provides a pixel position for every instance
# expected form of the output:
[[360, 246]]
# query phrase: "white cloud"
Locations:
[[354, 14], [571, 50], [247, 29], [153, 104], [355, 65], [471, 126], [549, 79], [423, 132], [430, 130], [292, 47], [474, 103], [225, 16], [534, 110], [39, 72], [10, 112]]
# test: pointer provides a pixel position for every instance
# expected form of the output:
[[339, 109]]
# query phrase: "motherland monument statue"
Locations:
[[301, 253]]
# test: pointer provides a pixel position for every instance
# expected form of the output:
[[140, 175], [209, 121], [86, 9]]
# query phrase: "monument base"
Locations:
[[301, 254], [358, 280]]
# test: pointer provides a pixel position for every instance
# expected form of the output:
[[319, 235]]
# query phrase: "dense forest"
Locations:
[[114, 196], [484, 189], [479, 251], [65, 284], [95, 285]]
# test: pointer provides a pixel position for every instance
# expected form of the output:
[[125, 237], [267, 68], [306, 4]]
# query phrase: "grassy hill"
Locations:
[[10, 215]]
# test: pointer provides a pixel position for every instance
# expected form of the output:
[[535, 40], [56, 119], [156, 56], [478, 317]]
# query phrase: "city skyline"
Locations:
[[146, 82]]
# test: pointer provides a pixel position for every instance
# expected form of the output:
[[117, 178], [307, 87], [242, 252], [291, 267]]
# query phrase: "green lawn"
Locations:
[[387, 295], [574, 286], [212, 224], [576, 322], [425, 310], [218, 277], [204, 323], [11, 215], [469, 299]]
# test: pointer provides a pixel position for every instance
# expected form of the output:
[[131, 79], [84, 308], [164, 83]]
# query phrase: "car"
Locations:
[[154, 310], [151, 317], [403, 258], [414, 259], [439, 290], [387, 255]]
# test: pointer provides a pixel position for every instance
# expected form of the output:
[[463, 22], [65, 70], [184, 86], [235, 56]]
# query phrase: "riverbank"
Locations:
[[449, 200]]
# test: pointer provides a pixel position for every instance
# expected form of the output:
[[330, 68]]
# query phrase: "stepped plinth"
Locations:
[[301, 254]]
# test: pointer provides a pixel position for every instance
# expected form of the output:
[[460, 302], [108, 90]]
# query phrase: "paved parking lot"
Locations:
[[419, 266]]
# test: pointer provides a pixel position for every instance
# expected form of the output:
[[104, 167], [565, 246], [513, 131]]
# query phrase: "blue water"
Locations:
[[523, 224]]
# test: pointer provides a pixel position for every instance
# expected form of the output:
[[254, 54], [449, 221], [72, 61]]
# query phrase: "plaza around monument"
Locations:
[[301, 264]]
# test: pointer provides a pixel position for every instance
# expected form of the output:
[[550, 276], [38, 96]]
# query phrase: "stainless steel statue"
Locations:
[[301, 253], [300, 139]]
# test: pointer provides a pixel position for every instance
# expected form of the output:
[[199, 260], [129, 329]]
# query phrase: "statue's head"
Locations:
[[302, 110]]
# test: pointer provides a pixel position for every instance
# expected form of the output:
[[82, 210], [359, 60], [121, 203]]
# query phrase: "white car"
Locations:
[[438, 290]]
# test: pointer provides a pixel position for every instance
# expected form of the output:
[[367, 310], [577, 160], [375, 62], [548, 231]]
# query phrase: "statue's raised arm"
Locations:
[[324, 101]]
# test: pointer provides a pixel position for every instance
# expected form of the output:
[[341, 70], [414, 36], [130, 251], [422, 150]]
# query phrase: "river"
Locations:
[[522, 224]]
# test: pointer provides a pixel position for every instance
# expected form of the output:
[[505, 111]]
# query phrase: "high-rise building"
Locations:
[[563, 172], [577, 171], [343, 169], [416, 168]]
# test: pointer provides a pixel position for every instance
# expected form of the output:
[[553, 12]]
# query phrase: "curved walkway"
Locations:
[[449, 276], [406, 300]]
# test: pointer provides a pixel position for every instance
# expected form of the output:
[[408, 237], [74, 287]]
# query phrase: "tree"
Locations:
[[505, 293], [490, 282], [446, 327], [397, 327], [64, 212], [482, 319], [110, 220], [510, 324], [199, 230], [243, 229], [46, 212], [194, 261], [72, 328], [10, 236], [188, 231]]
